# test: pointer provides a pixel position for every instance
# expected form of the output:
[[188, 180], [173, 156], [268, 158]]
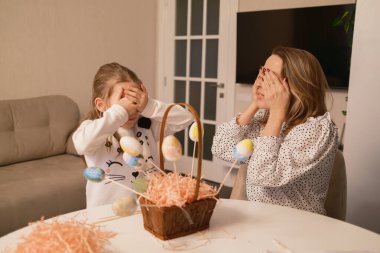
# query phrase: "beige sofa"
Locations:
[[40, 175]]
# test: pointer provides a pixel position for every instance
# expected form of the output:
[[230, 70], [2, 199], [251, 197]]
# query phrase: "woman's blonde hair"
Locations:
[[102, 88], [307, 83]]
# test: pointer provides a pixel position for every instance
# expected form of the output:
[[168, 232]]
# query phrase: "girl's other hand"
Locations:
[[138, 96], [129, 106]]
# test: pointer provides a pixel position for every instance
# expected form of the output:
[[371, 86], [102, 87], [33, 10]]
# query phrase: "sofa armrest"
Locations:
[[70, 149]]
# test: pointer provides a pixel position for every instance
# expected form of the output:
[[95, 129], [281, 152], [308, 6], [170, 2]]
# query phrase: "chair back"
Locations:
[[239, 188], [336, 199]]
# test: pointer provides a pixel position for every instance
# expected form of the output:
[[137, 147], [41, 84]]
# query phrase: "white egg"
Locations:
[[124, 206], [131, 145], [244, 148]]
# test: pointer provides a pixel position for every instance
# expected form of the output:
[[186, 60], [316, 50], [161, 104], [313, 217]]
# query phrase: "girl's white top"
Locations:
[[90, 138], [292, 170]]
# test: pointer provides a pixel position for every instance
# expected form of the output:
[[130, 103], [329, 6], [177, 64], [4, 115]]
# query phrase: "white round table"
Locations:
[[236, 226]]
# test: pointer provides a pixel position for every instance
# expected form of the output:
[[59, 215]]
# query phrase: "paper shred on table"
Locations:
[[64, 236]]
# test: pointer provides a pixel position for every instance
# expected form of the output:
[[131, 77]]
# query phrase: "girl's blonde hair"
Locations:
[[307, 83], [102, 88]]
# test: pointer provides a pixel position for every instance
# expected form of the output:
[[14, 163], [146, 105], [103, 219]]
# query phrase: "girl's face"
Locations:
[[274, 64], [118, 92]]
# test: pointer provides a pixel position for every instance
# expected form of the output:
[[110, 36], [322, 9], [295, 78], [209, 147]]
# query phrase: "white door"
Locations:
[[197, 66]]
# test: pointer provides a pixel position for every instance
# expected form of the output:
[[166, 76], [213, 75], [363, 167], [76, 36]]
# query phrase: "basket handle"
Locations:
[[200, 141]]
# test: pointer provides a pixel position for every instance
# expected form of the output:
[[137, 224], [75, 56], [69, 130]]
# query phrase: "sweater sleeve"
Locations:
[[307, 151], [230, 133], [92, 134], [178, 118]]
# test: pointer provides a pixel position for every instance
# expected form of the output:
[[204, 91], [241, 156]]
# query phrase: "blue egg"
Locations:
[[94, 174], [239, 157], [133, 161]]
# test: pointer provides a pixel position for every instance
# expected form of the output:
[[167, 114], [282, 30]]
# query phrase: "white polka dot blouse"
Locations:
[[292, 170]]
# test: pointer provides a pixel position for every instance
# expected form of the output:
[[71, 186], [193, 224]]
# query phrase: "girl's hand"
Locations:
[[276, 94], [138, 96], [129, 106]]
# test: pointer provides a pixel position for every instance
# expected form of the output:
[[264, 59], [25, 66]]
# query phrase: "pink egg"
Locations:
[[171, 148]]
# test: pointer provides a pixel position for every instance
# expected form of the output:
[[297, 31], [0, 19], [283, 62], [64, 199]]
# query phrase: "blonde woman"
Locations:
[[295, 139]]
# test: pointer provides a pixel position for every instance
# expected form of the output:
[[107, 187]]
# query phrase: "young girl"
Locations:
[[121, 107], [294, 137]]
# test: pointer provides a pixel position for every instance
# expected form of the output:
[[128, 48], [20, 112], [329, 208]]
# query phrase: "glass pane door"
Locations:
[[196, 65]]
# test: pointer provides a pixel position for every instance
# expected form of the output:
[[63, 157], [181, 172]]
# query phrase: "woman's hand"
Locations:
[[276, 95], [277, 99], [137, 96]]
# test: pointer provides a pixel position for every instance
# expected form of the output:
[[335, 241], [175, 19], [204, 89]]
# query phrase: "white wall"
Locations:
[[362, 146], [55, 46]]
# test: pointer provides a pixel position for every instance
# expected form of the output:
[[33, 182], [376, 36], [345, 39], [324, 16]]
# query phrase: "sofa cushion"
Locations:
[[35, 128], [45, 187]]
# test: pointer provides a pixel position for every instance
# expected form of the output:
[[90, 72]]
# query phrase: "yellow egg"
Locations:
[[131, 145], [124, 206], [244, 148], [193, 132], [171, 148]]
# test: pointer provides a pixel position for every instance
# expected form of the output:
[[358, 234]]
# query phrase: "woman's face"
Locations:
[[274, 64]]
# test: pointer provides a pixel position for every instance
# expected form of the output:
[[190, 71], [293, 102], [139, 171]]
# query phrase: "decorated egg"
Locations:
[[243, 150], [134, 161], [94, 174], [171, 148], [131, 145], [124, 206], [193, 132], [140, 184]]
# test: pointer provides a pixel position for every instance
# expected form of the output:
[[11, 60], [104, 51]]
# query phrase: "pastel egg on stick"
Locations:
[[243, 150], [134, 161], [94, 174], [171, 148], [131, 145], [193, 132], [124, 206], [140, 184]]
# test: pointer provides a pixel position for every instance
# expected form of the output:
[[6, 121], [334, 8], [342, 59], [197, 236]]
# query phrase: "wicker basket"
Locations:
[[172, 222]]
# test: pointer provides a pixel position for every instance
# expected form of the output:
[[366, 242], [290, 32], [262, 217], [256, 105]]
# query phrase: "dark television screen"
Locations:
[[309, 28]]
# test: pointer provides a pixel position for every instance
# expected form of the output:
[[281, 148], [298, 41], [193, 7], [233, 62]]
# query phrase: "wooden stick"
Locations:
[[156, 167], [192, 162], [225, 178], [126, 187], [176, 176], [175, 168], [106, 219], [282, 246]]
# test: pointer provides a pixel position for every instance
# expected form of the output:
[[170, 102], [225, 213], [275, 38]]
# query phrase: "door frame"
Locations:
[[226, 71]]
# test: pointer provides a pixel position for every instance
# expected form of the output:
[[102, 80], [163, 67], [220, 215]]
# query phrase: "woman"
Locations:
[[294, 138]]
